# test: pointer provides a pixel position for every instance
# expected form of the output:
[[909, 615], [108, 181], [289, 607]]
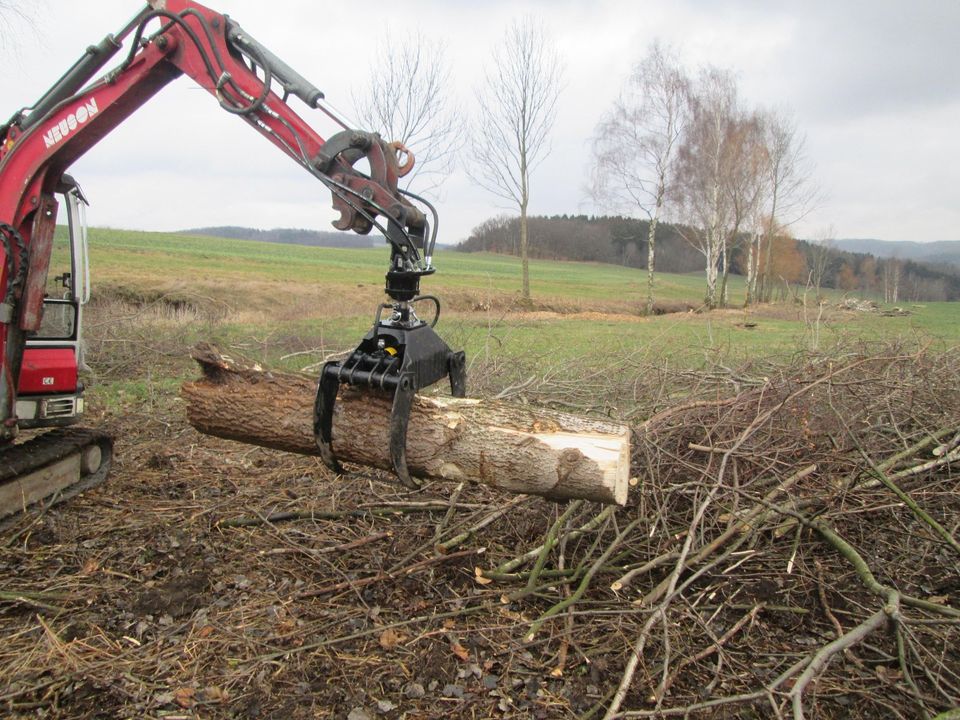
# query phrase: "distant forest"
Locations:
[[622, 241]]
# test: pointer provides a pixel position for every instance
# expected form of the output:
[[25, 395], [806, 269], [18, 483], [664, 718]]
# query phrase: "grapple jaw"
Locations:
[[399, 356]]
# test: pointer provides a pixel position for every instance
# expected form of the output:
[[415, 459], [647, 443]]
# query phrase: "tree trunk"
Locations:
[[514, 448], [725, 269], [766, 283], [713, 257], [651, 248], [524, 255], [524, 226], [751, 273]]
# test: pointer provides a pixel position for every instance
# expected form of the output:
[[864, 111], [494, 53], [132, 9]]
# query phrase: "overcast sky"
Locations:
[[874, 86]]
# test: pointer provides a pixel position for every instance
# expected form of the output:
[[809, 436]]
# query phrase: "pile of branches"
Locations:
[[792, 551], [789, 550]]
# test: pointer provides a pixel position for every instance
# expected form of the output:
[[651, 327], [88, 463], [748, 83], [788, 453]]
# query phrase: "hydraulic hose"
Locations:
[[15, 252]]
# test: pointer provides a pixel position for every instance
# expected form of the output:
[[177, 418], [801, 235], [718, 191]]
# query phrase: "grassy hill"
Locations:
[[296, 304], [258, 275], [292, 236]]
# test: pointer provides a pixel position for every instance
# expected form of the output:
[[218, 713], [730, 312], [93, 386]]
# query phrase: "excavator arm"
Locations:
[[169, 39]]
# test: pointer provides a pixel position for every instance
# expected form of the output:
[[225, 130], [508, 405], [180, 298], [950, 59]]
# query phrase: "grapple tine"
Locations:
[[457, 369], [323, 414], [399, 422]]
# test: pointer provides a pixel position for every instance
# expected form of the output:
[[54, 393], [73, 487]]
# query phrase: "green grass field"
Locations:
[[291, 305], [155, 258]]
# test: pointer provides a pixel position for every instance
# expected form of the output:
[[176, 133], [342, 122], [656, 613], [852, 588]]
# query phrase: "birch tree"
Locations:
[[744, 161], [702, 170], [892, 270], [821, 250], [790, 195], [758, 233], [517, 103], [635, 145]]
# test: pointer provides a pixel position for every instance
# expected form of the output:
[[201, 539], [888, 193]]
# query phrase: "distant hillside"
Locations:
[[289, 236], [623, 241], [944, 251]]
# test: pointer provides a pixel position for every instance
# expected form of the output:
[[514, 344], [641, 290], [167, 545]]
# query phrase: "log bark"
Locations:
[[514, 448]]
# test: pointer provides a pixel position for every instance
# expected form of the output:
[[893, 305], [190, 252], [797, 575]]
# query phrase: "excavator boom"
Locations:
[[165, 40]]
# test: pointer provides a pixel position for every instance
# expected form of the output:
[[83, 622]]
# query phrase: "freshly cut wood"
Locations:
[[515, 448]]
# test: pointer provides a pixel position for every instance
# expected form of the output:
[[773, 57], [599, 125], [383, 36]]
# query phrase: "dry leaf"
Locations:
[[460, 651], [888, 674], [205, 632], [390, 638], [214, 694], [510, 614], [478, 576], [184, 697]]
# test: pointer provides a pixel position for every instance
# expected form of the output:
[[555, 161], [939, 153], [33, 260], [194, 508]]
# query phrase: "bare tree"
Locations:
[[16, 9], [703, 170], [868, 276], [821, 250], [635, 144], [892, 270], [9, 6], [408, 100], [758, 233], [744, 163], [518, 98], [790, 194], [14, 13], [757, 244]]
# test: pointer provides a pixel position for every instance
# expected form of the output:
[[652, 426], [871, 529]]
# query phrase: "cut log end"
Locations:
[[516, 449]]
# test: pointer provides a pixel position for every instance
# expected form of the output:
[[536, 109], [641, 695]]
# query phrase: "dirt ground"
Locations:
[[209, 579], [136, 600]]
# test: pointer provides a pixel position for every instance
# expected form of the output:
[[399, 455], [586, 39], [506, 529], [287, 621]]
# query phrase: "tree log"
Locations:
[[514, 448]]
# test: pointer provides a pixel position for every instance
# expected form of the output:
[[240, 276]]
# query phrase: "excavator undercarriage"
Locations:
[[51, 467]]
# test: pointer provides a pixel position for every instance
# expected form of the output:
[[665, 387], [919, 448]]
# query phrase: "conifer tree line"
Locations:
[[797, 265]]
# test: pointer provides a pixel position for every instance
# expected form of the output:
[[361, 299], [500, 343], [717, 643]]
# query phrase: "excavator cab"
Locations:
[[51, 466], [49, 391]]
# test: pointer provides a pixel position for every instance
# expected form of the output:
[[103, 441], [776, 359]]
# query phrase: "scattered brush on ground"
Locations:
[[790, 548]]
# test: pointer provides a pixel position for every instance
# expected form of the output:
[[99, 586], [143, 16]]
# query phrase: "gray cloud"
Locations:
[[850, 59], [872, 85]]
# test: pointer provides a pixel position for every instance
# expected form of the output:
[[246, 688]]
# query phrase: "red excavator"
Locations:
[[41, 331]]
